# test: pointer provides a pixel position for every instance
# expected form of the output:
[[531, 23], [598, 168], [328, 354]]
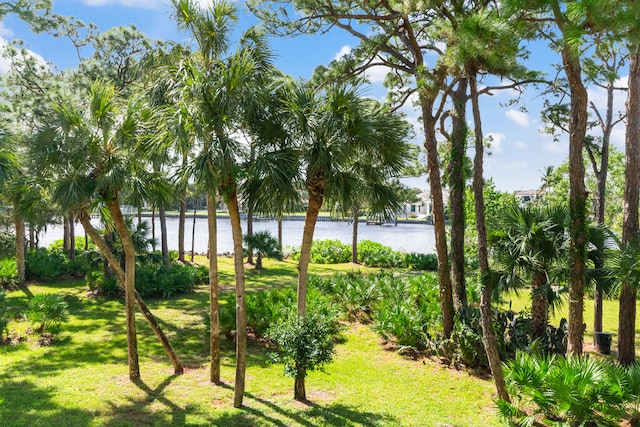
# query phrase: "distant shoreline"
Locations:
[[300, 218]]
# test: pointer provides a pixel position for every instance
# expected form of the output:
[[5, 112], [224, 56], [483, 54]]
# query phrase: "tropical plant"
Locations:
[[375, 254], [47, 311], [265, 245]]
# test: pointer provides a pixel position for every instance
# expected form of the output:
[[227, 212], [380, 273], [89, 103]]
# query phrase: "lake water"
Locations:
[[403, 237]]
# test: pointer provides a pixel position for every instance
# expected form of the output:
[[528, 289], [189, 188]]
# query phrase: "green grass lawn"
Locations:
[[82, 379]]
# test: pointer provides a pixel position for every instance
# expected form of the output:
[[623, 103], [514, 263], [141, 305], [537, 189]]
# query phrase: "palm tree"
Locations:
[[528, 243], [333, 127], [87, 148], [265, 245], [224, 91]]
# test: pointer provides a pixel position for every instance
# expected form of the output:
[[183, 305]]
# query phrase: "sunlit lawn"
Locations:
[[82, 379]]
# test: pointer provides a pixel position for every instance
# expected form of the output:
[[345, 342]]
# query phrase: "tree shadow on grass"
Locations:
[[24, 404], [317, 414]]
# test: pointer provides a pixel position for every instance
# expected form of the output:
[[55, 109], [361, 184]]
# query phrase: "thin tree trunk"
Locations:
[[486, 313], [129, 285], [433, 164], [627, 314], [456, 199], [32, 237], [183, 214], [354, 238], [65, 233], [250, 233], [577, 200], [280, 230], [241, 314], [20, 247], [313, 208], [164, 237], [153, 228], [85, 220], [193, 227], [72, 237], [86, 241], [214, 323]]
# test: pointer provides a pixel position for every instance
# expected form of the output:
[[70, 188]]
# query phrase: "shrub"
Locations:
[[375, 254], [267, 307], [109, 286], [48, 311], [304, 345], [418, 261], [7, 245], [48, 264], [8, 274], [57, 245], [159, 280], [330, 252]]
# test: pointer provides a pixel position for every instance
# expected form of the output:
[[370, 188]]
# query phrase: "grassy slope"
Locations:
[[82, 380]]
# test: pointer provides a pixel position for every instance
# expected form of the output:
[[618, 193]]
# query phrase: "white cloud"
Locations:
[[557, 147], [377, 74], [518, 117], [496, 140], [5, 63], [4, 31], [344, 51]]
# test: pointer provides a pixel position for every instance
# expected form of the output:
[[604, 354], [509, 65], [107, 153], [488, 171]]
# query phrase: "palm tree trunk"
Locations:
[[85, 220], [444, 277], [181, 223], [164, 237], [65, 233], [241, 316], [280, 230], [627, 314], [214, 324], [577, 200], [313, 208], [193, 227], [32, 237], [153, 228], [486, 313], [72, 237], [456, 199], [538, 306], [354, 238], [250, 233], [20, 247], [129, 285]]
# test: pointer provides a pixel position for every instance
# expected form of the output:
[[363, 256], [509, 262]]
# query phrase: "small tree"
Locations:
[[264, 245]]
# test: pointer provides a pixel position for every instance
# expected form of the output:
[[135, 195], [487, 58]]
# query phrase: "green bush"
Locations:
[[418, 261], [330, 252], [57, 245], [159, 280], [375, 254], [47, 311], [98, 282], [304, 345], [4, 314], [7, 245], [573, 390], [267, 307], [8, 273], [49, 264]]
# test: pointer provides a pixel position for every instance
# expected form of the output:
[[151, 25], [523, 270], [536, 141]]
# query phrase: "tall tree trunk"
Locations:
[[456, 199], [72, 236], [32, 237], [316, 198], [486, 313], [214, 323], [183, 213], [577, 199], [250, 233], [280, 230], [85, 220], [354, 238], [193, 227], [153, 228], [627, 314], [20, 247], [601, 174], [129, 285], [65, 233], [538, 305], [241, 315], [164, 237], [433, 164]]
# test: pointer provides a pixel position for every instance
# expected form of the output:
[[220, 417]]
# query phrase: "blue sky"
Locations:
[[519, 151]]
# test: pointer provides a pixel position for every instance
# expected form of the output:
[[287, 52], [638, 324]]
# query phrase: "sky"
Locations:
[[519, 151]]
